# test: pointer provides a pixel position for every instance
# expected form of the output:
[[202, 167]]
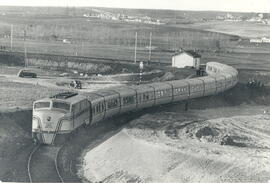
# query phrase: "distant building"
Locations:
[[265, 40], [255, 40], [261, 15], [219, 17], [260, 40], [229, 16], [186, 59]]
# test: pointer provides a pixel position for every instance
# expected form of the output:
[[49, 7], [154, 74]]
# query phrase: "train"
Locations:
[[65, 112]]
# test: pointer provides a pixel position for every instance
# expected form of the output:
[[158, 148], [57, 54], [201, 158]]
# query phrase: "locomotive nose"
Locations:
[[47, 123]]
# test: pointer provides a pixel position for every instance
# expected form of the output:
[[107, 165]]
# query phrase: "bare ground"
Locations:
[[172, 146]]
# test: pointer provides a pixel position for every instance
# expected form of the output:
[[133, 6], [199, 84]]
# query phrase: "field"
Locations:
[[243, 29], [37, 32], [42, 30]]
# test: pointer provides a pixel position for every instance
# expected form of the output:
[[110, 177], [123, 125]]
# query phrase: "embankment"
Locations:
[[59, 62]]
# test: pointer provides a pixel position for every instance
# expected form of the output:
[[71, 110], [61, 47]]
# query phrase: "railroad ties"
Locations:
[[43, 164]]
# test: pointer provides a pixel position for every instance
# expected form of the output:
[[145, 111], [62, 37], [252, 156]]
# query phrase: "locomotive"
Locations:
[[65, 112]]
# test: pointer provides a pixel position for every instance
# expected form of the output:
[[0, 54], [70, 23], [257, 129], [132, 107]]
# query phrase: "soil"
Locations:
[[221, 144], [15, 144]]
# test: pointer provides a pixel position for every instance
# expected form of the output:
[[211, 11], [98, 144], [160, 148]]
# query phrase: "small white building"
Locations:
[[265, 40], [255, 40], [260, 40], [186, 59]]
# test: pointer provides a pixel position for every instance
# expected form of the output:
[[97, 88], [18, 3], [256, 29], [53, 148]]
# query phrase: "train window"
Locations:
[[61, 105], [158, 94], [178, 91], [112, 103], [98, 108], [146, 96], [86, 104], [82, 105], [102, 106], [139, 98], [166, 92], [40, 105], [128, 100], [75, 108]]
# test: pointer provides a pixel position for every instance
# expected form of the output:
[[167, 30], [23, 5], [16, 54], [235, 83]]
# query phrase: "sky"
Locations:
[[219, 5]]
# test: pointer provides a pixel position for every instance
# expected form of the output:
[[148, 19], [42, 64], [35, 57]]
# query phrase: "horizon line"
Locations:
[[165, 9]]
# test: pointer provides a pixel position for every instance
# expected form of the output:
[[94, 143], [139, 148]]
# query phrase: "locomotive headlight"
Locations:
[[35, 124]]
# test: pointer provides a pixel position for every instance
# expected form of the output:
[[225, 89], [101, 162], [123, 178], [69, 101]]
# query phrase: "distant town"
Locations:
[[258, 18], [229, 17], [95, 13]]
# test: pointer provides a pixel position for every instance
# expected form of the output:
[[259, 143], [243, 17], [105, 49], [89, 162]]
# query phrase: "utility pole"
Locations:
[[135, 56], [11, 37], [25, 52], [150, 48], [141, 70]]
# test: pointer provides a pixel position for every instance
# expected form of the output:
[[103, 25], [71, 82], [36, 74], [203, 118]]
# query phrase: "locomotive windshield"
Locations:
[[40, 105], [61, 105]]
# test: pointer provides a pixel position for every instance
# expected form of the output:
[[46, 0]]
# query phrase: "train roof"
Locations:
[[69, 97], [142, 87], [223, 67], [194, 81], [100, 94], [178, 83], [92, 96], [206, 78], [160, 85], [123, 90]]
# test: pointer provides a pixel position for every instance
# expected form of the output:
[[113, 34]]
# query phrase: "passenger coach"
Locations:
[[65, 112]]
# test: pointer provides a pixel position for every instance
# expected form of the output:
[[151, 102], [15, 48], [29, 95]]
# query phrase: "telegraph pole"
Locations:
[[150, 48], [141, 70], [11, 37], [135, 56], [25, 52]]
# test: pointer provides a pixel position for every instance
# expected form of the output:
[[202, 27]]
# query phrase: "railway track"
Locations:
[[43, 164]]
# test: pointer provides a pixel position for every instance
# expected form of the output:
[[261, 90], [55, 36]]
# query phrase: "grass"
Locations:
[[14, 94], [243, 29], [45, 28]]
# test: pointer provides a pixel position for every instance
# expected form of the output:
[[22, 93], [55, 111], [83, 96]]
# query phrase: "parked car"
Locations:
[[63, 74], [26, 73], [76, 84]]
